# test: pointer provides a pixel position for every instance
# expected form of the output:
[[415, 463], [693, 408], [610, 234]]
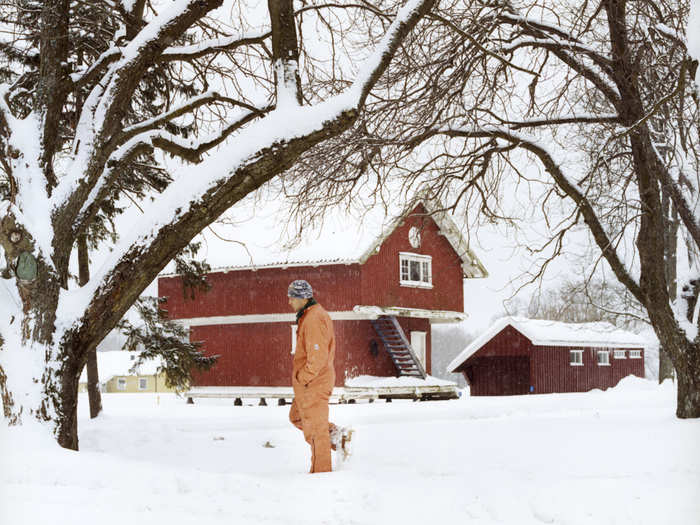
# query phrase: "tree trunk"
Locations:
[[94, 396], [684, 354], [665, 366], [688, 380], [67, 431], [672, 224]]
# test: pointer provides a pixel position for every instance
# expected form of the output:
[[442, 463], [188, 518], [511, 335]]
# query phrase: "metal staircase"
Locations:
[[395, 342]]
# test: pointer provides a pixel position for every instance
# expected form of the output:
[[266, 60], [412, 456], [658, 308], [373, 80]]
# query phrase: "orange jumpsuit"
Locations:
[[313, 378]]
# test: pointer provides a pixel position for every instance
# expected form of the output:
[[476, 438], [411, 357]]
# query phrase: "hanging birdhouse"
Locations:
[[27, 268]]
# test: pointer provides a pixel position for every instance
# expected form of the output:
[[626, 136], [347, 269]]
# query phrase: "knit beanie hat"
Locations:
[[300, 289]]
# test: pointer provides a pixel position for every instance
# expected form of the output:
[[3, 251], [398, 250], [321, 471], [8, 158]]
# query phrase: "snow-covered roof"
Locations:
[[258, 239], [542, 332], [118, 363]]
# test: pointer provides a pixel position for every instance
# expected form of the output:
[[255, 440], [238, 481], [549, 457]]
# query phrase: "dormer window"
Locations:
[[416, 270]]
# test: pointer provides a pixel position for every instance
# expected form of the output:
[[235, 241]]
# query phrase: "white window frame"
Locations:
[[121, 384], [635, 354], [619, 354], [578, 353], [145, 383], [603, 352], [425, 265]]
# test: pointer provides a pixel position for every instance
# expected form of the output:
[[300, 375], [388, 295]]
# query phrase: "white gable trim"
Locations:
[[471, 266]]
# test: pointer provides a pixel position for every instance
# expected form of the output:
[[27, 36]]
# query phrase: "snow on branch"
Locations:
[[199, 194], [109, 100], [89, 74], [554, 44], [674, 185], [533, 25], [611, 118], [212, 46], [565, 46]]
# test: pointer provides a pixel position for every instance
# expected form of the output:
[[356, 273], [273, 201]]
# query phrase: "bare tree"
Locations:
[[586, 301], [146, 90], [577, 90]]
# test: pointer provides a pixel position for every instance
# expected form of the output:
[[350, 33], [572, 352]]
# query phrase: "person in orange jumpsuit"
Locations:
[[313, 375]]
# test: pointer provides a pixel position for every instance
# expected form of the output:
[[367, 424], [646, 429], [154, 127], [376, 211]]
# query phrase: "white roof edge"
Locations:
[[226, 269], [477, 343], [521, 326], [471, 265]]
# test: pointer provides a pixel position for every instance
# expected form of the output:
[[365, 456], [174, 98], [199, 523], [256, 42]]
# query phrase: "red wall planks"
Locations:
[[258, 354], [552, 371], [550, 368], [247, 292], [380, 274]]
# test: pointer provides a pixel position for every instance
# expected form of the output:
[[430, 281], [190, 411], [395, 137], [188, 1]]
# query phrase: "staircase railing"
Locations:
[[398, 346]]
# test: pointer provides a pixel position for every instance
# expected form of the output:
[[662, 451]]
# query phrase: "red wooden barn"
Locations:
[[382, 291], [520, 356]]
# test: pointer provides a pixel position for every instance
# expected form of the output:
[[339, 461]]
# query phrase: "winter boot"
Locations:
[[336, 437], [346, 442]]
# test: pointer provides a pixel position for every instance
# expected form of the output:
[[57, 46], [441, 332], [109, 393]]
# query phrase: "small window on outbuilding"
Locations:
[[121, 383], [143, 383], [415, 270], [635, 354], [576, 357], [603, 358], [620, 354]]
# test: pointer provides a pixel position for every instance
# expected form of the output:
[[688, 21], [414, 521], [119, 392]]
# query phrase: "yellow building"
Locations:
[[116, 375]]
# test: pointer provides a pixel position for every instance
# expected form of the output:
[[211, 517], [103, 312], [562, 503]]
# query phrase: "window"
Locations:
[[416, 270], [635, 354], [143, 383], [121, 383], [620, 354], [576, 357], [603, 358]]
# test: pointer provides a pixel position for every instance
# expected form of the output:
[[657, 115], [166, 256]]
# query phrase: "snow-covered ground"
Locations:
[[615, 457]]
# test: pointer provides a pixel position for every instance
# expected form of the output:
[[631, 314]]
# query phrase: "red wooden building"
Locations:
[[520, 356], [382, 291]]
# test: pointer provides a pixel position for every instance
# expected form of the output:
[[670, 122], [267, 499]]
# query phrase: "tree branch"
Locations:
[[211, 47], [600, 236], [184, 109], [265, 150], [574, 119]]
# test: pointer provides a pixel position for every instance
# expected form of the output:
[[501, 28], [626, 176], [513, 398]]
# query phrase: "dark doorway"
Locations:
[[500, 376]]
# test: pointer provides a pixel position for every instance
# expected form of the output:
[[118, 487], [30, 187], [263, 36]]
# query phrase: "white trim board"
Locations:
[[358, 313], [261, 318]]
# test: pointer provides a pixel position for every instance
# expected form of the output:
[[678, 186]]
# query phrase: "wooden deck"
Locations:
[[340, 395]]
